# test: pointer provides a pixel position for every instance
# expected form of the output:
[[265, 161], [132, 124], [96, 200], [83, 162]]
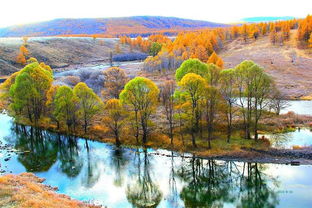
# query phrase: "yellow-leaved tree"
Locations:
[[141, 95]]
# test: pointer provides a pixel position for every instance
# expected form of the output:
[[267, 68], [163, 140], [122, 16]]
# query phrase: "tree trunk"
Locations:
[[136, 126], [229, 124], [118, 143]]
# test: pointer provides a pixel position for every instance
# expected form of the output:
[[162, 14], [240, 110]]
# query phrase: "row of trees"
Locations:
[[30, 94], [201, 94], [167, 54], [304, 34]]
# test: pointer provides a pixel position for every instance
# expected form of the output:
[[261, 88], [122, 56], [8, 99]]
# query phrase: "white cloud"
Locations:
[[21, 11]]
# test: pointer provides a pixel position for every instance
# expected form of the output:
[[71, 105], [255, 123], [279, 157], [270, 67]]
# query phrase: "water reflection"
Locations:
[[92, 173], [39, 147], [124, 177], [119, 163], [71, 161], [142, 191], [299, 137]]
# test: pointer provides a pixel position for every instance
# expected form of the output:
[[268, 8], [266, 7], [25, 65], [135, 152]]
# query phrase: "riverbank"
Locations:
[[95, 171], [237, 150], [27, 190]]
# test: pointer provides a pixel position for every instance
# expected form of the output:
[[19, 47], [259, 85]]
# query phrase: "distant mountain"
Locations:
[[266, 19], [109, 26]]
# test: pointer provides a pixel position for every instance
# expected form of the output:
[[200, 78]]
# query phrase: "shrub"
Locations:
[[129, 57]]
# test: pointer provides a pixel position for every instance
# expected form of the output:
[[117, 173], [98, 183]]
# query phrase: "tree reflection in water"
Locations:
[[70, 159], [143, 192], [212, 184], [93, 172], [119, 162], [255, 190], [193, 182], [173, 198], [40, 148]]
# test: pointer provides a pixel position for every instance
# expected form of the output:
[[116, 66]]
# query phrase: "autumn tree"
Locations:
[[28, 93], [141, 95], [117, 48], [24, 50], [305, 29], [115, 118], [193, 85], [22, 55], [166, 93], [285, 31], [234, 32], [115, 80], [215, 59], [273, 37], [89, 103], [21, 59], [244, 32], [65, 106]]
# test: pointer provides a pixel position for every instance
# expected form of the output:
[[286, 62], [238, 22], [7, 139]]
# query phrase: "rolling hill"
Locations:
[[289, 66], [108, 26]]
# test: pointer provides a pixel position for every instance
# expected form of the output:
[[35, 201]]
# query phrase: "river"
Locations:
[[103, 174]]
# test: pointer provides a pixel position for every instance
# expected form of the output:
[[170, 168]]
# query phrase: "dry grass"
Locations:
[[292, 78], [26, 190], [297, 147], [285, 122]]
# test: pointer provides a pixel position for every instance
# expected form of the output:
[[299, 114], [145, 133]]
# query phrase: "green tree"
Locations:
[[141, 94], [51, 105], [181, 111], [155, 48], [263, 89], [28, 93], [191, 66], [211, 98], [193, 85], [65, 106], [228, 90], [89, 103], [254, 90]]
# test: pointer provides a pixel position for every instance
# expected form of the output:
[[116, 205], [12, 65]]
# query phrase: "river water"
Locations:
[[103, 174]]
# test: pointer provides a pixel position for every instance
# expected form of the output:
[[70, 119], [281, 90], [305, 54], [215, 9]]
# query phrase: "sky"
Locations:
[[16, 12]]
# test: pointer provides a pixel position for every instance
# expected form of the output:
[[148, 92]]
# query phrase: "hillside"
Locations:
[[289, 66], [58, 52], [108, 26]]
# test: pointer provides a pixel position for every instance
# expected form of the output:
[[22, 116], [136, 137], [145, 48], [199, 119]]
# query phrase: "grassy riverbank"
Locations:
[[159, 140], [27, 190]]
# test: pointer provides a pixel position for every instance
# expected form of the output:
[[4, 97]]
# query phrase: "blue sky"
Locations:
[[15, 12]]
